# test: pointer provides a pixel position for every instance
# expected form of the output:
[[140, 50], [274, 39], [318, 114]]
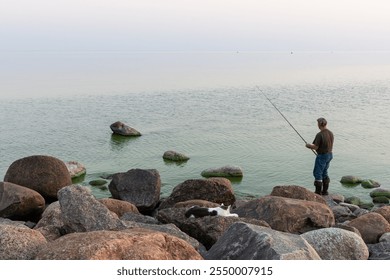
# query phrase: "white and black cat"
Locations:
[[198, 212]]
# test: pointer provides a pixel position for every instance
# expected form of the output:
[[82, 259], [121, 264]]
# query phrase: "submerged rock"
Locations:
[[123, 129], [224, 171], [175, 156], [380, 192], [349, 179], [370, 184]]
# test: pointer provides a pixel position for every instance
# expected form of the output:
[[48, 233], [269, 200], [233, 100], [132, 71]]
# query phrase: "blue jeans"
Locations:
[[321, 166]]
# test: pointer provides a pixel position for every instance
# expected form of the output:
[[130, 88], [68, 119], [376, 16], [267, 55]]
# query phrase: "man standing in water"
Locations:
[[323, 145]]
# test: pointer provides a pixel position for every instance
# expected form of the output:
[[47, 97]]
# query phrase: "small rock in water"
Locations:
[[123, 129], [75, 169], [350, 180], [370, 184], [225, 171], [175, 156], [98, 182]]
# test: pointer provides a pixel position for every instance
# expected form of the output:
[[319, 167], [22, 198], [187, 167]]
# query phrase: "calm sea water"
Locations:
[[206, 105]]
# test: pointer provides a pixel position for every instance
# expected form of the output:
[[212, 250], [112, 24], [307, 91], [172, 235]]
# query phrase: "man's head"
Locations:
[[322, 122]]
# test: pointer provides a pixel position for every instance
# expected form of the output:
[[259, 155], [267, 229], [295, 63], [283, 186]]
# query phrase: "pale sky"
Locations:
[[195, 25]]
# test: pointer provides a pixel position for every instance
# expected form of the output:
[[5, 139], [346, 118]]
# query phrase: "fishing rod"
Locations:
[[285, 118]]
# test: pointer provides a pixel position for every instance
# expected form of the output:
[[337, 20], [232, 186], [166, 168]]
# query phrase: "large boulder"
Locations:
[[81, 211], [381, 250], [44, 174], [384, 211], [244, 241], [131, 244], [140, 187], [18, 202], [218, 190], [297, 192], [287, 214], [18, 242], [371, 226], [337, 244], [206, 230], [123, 129]]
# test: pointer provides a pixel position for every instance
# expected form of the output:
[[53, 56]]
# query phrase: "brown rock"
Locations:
[[384, 211], [123, 129], [297, 192], [287, 214], [371, 226], [44, 174], [218, 190], [18, 202], [18, 242], [140, 187], [119, 207], [134, 244], [197, 202]]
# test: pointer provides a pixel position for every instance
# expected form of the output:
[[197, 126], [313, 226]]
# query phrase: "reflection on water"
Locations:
[[119, 142]]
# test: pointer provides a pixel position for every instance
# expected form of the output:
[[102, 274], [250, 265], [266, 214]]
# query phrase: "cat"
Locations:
[[198, 212]]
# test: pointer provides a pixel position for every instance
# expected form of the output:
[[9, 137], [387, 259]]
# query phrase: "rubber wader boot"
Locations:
[[325, 188], [318, 185]]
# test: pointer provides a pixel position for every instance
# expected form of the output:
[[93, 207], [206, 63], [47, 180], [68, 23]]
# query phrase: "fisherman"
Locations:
[[323, 145]]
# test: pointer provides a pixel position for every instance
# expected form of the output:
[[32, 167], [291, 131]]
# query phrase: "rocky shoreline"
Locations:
[[44, 216]]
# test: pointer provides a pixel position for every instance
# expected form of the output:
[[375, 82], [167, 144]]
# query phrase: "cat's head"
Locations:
[[224, 207]]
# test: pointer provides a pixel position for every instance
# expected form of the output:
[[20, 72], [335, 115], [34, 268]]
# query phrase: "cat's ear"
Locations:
[[222, 205]]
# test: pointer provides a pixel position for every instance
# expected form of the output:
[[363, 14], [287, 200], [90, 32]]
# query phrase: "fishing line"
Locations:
[[284, 118]]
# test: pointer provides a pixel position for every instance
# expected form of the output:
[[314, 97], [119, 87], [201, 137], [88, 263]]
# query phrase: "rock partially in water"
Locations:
[[123, 129], [224, 171], [76, 169], [349, 179], [370, 184], [175, 156], [380, 192]]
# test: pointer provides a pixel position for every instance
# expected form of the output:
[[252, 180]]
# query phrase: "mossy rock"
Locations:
[[381, 199], [175, 156], [227, 171], [350, 180], [380, 192], [370, 184], [366, 205], [353, 200], [98, 182]]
